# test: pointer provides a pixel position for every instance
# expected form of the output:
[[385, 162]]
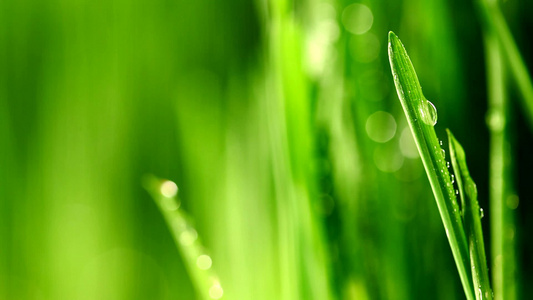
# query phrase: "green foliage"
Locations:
[[280, 123], [421, 116], [472, 215]]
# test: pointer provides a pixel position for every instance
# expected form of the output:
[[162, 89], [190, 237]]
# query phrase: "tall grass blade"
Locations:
[[495, 22], [504, 271], [472, 219], [421, 116], [197, 261]]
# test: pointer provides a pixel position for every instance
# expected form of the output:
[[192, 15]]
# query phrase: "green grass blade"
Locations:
[[421, 118], [472, 218], [495, 22], [504, 270], [197, 262]]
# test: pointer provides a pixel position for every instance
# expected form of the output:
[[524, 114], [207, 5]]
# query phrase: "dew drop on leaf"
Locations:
[[495, 120], [428, 113]]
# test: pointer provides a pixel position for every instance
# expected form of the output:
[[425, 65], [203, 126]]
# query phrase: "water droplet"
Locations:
[[216, 291], [204, 262], [495, 120], [448, 164], [471, 188], [168, 189], [188, 237], [456, 192], [453, 179], [428, 113], [440, 142], [481, 213]]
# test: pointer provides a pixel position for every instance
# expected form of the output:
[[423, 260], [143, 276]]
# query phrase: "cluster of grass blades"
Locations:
[[197, 262], [462, 224]]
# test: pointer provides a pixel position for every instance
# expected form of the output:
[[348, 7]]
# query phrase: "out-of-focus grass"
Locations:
[[503, 200], [277, 119]]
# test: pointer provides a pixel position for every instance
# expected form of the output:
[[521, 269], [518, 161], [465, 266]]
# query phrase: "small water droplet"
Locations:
[[440, 142], [168, 189], [448, 164], [204, 262], [216, 291], [495, 120], [428, 113], [481, 213], [188, 237], [453, 179], [456, 192]]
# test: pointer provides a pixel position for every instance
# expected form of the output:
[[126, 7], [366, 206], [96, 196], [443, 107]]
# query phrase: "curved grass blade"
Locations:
[[197, 262], [472, 219], [421, 116]]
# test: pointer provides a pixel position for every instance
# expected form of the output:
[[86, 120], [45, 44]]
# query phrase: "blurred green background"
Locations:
[[277, 119]]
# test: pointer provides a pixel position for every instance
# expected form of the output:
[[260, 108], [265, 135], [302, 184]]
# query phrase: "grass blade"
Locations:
[[502, 198], [472, 220], [495, 23], [421, 116], [197, 262]]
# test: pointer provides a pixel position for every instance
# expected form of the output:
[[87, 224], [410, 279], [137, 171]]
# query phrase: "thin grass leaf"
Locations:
[[504, 276], [472, 214], [421, 116], [197, 261], [495, 23]]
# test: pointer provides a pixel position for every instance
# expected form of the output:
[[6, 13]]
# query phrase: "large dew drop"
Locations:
[[428, 113]]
